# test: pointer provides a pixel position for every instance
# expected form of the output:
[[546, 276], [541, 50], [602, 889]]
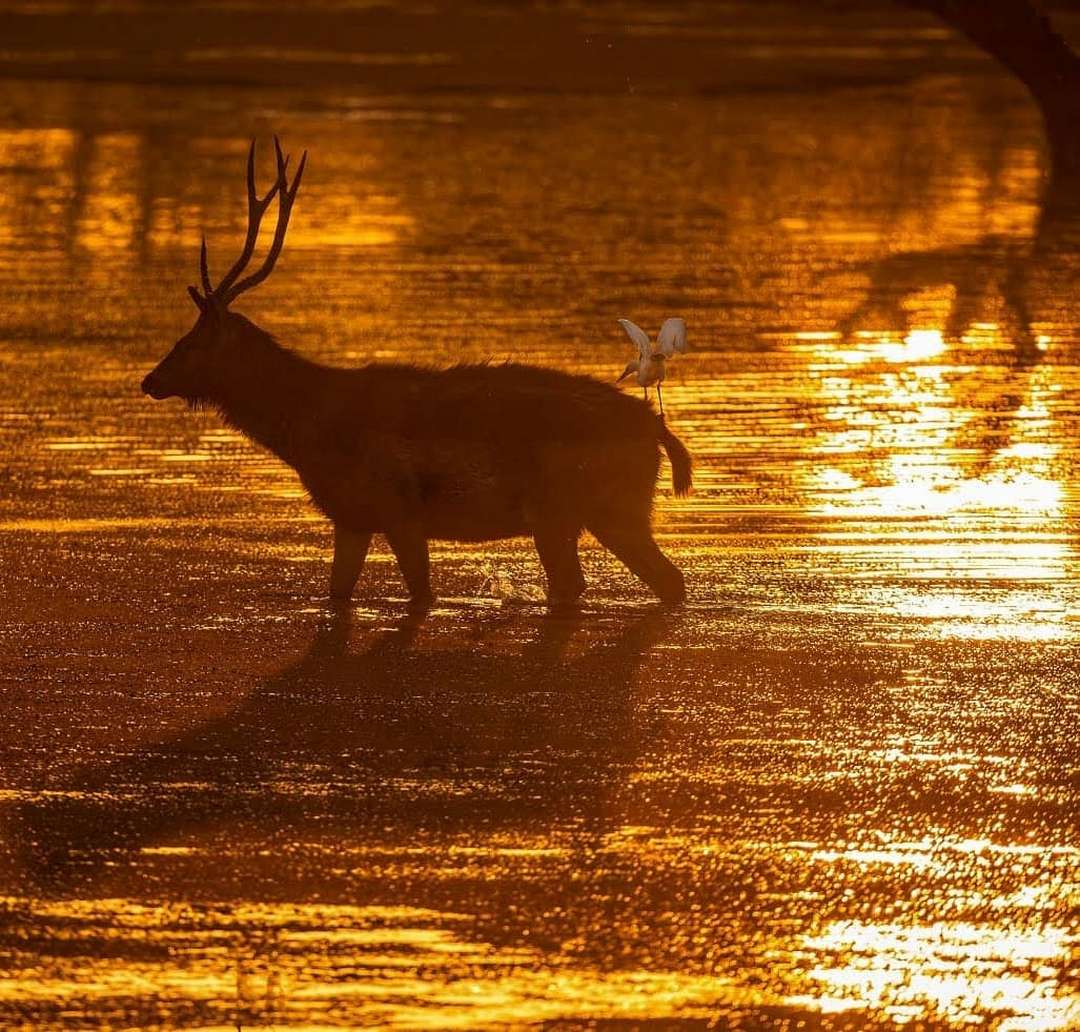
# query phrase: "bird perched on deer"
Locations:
[[470, 453], [651, 363]]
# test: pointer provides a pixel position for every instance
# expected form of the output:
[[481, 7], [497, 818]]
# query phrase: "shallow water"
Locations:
[[839, 788]]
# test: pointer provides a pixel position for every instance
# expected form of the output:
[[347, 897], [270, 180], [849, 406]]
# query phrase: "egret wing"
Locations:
[[639, 337], [672, 337]]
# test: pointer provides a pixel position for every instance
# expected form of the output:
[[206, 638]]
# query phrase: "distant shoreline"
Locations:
[[651, 48]]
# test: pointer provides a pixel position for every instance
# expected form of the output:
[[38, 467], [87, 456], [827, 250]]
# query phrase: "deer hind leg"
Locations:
[[557, 547], [410, 548], [633, 544], [350, 551]]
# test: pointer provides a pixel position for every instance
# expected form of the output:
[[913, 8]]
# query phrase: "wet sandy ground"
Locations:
[[839, 788]]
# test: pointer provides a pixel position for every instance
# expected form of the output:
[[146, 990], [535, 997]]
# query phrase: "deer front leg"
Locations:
[[350, 551], [410, 548]]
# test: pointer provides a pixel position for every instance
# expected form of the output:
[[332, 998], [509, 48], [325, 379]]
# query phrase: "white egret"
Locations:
[[671, 339], [650, 365]]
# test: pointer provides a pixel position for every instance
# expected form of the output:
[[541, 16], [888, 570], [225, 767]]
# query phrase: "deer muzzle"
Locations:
[[154, 386]]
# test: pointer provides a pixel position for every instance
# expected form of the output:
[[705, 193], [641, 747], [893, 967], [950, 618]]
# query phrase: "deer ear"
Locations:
[[200, 302]]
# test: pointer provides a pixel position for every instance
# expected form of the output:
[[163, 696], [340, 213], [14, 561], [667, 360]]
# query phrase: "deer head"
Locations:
[[193, 368]]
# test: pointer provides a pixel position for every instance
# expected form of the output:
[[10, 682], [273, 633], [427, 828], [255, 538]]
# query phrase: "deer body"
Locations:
[[471, 453]]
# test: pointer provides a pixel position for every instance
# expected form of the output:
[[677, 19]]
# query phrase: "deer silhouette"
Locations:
[[470, 453]]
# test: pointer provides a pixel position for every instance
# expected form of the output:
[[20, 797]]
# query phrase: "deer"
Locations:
[[470, 453]]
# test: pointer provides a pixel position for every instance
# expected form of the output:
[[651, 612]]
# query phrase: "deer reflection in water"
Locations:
[[466, 736]]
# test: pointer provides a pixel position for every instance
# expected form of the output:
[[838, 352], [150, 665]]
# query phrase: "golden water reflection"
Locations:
[[839, 787], [298, 965], [405, 966], [951, 972]]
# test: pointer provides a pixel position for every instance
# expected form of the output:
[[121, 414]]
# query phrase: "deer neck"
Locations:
[[272, 400]]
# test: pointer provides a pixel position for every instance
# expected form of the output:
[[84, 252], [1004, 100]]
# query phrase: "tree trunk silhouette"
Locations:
[[1021, 38]]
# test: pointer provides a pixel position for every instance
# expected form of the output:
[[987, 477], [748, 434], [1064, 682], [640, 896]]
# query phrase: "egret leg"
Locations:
[[645, 394], [660, 395]]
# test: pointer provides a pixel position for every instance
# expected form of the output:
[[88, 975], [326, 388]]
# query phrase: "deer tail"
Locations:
[[682, 466]]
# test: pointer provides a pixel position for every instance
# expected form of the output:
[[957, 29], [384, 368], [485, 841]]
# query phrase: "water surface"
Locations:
[[838, 789]]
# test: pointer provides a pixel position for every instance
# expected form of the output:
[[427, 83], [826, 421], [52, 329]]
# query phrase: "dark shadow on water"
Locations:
[[1010, 280], [367, 728], [989, 277], [1023, 286]]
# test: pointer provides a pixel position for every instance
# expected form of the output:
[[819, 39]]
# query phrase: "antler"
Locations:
[[228, 289], [286, 195]]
